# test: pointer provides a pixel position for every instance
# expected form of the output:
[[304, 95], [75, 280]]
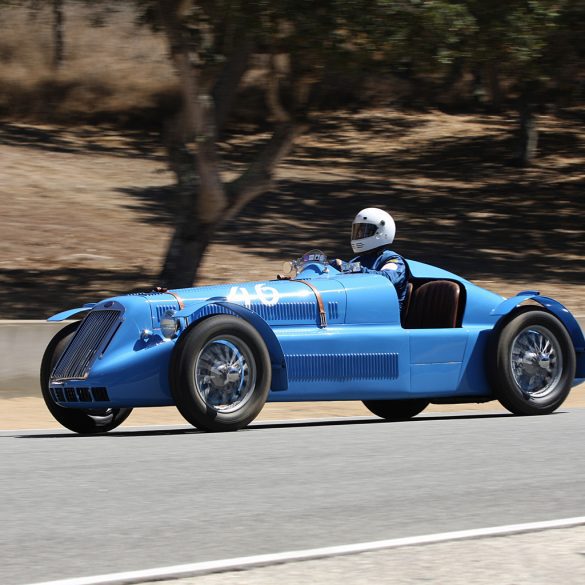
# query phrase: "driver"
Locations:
[[372, 232]]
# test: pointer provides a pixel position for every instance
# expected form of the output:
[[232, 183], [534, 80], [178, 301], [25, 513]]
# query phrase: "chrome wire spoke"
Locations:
[[535, 361], [225, 373]]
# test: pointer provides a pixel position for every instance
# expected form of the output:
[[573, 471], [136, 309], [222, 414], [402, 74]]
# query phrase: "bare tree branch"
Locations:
[[258, 177]]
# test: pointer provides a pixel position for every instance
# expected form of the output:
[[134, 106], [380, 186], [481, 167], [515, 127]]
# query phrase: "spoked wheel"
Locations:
[[83, 421], [220, 374], [396, 410], [225, 373], [532, 363]]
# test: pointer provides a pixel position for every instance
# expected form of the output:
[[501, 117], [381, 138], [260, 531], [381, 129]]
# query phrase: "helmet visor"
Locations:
[[363, 230]]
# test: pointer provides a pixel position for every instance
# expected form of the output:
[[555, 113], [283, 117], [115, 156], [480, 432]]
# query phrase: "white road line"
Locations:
[[194, 569]]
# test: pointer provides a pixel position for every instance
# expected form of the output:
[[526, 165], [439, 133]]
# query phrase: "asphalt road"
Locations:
[[72, 506]]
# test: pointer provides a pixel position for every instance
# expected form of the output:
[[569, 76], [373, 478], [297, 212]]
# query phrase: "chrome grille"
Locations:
[[93, 334]]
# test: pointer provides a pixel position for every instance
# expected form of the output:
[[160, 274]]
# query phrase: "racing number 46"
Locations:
[[267, 295]]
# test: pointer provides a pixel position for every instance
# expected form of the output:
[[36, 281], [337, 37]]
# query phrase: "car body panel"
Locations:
[[71, 313], [561, 312], [361, 353]]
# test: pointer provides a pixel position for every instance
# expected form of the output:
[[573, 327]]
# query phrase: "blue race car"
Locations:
[[218, 353]]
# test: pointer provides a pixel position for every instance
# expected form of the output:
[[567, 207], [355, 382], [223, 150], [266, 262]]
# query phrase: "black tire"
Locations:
[[85, 422], [200, 370], [525, 381], [396, 410]]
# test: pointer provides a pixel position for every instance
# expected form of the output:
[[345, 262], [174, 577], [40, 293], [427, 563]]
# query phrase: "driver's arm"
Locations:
[[394, 269]]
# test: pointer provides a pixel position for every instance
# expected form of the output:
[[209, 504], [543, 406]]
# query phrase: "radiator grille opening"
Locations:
[[100, 394], [83, 395], [93, 334], [70, 395], [57, 394]]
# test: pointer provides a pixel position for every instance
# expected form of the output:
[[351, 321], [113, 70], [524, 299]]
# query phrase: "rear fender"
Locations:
[[562, 313], [220, 307]]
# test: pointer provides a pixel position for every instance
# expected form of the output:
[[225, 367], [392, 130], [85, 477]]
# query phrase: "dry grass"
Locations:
[[116, 69]]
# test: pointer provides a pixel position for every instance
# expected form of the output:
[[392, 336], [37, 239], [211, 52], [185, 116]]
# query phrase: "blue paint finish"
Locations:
[[479, 304], [363, 353], [430, 380], [64, 315], [436, 346], [561, 312], [426, 271], [320, 367], [580, 371], [473, 380], [346, 340], [301, 311], [371, 298], [509, 304]]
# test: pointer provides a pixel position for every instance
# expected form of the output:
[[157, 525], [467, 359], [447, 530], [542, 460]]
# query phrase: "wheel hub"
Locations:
[[536, 361], [225, 374]]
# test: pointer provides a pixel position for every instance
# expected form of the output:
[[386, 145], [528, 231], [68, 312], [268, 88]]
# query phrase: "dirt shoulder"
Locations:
[[31, 412]]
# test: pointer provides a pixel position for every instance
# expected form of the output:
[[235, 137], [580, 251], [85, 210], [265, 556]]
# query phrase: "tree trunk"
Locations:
[[185, 253], [528, 130], [58, 34], [226, 87], [204, 202], [277, 111]]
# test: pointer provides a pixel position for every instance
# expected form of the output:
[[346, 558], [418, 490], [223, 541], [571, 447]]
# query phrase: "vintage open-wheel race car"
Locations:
[[219, 353]]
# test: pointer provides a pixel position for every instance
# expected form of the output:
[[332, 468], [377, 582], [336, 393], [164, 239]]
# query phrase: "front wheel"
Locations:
[[532, 363], [220, 374], [396, 410], [82, 421]]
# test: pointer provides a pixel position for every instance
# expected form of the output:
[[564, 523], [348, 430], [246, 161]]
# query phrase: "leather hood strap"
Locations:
[[320, 305], [179, 299]]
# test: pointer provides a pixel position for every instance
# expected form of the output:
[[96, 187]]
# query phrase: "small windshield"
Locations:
[[298, 265], [314, 256], [363, 230]]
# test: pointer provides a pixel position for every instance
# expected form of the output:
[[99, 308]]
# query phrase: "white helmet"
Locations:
[[371, 229]]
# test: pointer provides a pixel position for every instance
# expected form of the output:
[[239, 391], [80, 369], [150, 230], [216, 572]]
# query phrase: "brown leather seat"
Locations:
[[433, 305]]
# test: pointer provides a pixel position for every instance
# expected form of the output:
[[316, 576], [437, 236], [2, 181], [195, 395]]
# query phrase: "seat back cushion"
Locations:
[[434, 305]]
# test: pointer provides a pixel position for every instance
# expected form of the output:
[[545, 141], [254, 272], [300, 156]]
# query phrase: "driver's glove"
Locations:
[[341, 265]]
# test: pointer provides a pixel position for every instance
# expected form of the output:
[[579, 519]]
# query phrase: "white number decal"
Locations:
[[239, 295], [267, 295]]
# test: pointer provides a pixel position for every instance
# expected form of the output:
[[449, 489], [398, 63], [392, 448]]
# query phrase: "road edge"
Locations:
[[243, 563]]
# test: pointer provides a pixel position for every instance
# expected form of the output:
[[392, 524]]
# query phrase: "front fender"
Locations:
[[64, 315], [560, 311], [221, 307]]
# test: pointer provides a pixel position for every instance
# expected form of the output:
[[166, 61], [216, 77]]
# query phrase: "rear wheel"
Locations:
[[532, 363], [396, 410], [83, 421], [220, 374]]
